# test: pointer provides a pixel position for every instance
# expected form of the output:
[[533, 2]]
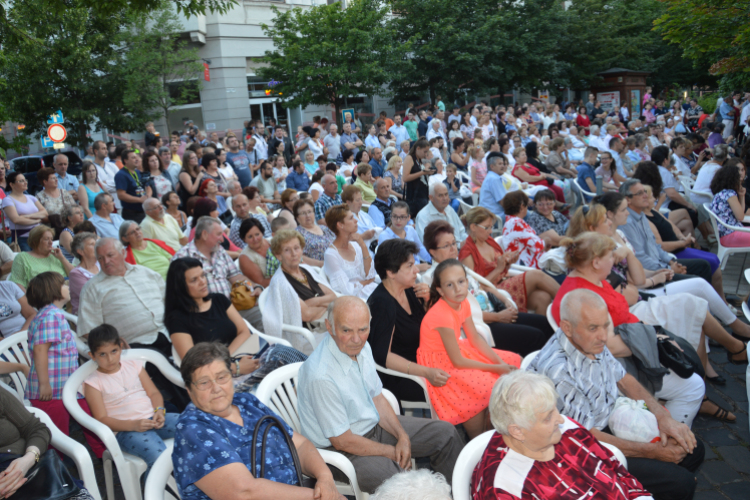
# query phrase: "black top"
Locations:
[[538, 164], [663, 226], [304, 292], [417, 192], [213, 325], [392, 325]]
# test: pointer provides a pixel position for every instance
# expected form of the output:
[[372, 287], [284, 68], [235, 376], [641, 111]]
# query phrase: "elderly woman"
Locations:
[[52, 198], [288, 198], [518, 236], [15, 311], [393, 170], [549, 224], [153, 254], [72, 216], [83, 249], [347, 262], [541, 447], [293, 285], [254, 257], [364, 182], [22, 211], [531, 290], [219, 416], [317, 239], [42, 257], [352, 196]]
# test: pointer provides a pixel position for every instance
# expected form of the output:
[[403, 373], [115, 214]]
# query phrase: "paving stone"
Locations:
[[718, 437], [734, 369], [703, 483], [704, 422], [734, 391], [738, 457], [736, 491], [710, 455], [708, 495], [718, 472]]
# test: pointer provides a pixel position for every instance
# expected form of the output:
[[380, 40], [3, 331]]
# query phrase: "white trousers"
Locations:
[[728, 129], [700, 288], [683, 396]]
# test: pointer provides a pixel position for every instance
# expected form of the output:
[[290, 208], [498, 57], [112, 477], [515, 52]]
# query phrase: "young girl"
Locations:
[[453, 184], [477, 166], [123, 397], [472, 364], [454, 133], [54, 353]]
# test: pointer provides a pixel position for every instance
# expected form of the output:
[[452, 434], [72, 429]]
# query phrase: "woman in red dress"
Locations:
[[582, 120], [526, 172]]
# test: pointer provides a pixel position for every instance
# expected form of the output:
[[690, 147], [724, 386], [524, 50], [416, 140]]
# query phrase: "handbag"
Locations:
[[670, 356], [242, 297], [274, 422], [48, 479], [14, 244], [227, 217]]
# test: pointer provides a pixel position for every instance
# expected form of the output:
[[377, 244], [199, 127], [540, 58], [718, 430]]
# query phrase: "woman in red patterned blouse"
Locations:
[[537, 454]]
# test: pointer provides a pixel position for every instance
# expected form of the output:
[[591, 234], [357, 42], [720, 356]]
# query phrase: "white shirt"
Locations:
[[107, 178], [261, 146], [703, 183], [346, 276]]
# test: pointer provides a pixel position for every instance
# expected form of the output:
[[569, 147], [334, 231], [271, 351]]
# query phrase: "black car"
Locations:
[[30, 165]]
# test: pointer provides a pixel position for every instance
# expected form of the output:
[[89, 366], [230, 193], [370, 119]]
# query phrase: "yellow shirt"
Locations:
[[368, 193], [177, 159], [169, 232]]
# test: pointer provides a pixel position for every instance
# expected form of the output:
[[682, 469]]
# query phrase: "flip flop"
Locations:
[[737, 361], [719, 414]]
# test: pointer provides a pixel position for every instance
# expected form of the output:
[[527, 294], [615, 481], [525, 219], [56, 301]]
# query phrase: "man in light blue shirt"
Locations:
[[439, 209], [380, 208], [64, 181], [495, 186], [342, 407], [399, 131], [727, 115], [106, 222]]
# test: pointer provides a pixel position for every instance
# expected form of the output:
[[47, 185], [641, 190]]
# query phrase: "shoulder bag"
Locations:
[[46, 480], [274, 422]]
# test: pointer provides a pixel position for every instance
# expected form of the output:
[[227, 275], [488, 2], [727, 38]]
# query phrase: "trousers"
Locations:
[[683, 396], [528, 334], [148, 445], [668, 481], [699, 288], [435, 439], [695, 267]]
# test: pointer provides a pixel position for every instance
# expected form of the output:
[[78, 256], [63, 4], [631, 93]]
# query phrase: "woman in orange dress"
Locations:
[[473, 365]]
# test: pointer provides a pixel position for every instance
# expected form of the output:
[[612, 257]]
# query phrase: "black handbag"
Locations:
[[670, 356], [274, 422], [46, 480]]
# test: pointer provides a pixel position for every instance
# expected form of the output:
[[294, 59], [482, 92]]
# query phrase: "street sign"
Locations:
[[55, 118], [47, 142], [59, 145], [57, 132]]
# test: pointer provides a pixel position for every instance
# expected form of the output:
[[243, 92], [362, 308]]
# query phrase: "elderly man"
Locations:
[[587, 377], [106, 222], [495, 185], [439, 209], [130, 298], [235, 189], [332, 141], [380, 208], [159, 225], [327, 199], [221, 272], [342, 408], [638, 231], [64, 181]]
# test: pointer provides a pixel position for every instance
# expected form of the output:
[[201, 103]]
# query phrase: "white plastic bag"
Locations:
[[631, 420]]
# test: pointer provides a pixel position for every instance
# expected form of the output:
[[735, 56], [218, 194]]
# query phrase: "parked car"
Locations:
[[30, 165]]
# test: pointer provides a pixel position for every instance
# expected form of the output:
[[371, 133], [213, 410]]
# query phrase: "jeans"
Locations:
[[455, 205], [148, 445]]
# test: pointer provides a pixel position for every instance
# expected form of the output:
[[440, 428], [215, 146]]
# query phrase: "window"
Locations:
[[256, 86]]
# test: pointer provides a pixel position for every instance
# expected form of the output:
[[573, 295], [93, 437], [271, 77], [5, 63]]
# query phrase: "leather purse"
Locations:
[[670, 356], [242, 297], [46, 480], [274, 422]]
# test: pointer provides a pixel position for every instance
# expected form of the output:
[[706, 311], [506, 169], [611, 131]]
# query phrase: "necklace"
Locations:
[[303, 280]]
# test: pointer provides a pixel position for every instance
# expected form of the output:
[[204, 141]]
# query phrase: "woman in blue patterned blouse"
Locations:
[[214, 434]]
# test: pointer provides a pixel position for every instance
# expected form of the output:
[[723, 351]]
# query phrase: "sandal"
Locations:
[[717, 380], [734, 361], [719, 414]]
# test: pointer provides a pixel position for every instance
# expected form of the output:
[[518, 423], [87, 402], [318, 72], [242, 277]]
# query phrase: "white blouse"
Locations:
[[345, 276]]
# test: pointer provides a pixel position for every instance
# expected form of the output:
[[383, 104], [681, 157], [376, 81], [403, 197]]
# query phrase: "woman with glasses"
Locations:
[[23, 212], [399, 229], [153, 254], [549, 224]]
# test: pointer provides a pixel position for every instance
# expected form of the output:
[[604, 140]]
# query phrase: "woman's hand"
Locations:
[[422, 291], [248, 364], [507, 316], [437, 377], [14, 476], [58, 254], [325, 489], [45, 391], [503, 369], [368, 234], [621, 253], [501, 261]]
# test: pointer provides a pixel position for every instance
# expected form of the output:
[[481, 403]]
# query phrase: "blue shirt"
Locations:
[[372, 141], [335, 393], [105, 228], [349, 138], [586, 171], [725, 109], [300, 182], [240, 161], [453, 194], [67, 183], [376, 215], [411, 235], [126, 180], [400, 133], [492, 192], [205, 442], [378, 168]]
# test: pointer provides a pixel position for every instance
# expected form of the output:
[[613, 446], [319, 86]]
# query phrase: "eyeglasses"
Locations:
[[486, 228], [399, 217], [639, 193], [131, 233], [204, 385], [449, 245]]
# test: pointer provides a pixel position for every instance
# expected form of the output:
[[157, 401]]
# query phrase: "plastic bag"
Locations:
[[631, 420]]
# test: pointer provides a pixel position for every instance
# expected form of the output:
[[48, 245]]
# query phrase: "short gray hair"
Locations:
[[435, 185], [330, 312], [68, 211], [124, 228], [204, 224], [106, 241], [721, 151], [573, 301], [231, 184], [420, 484], [164, 149], [100, 200], [625, 186], [79, 241], [517, 397], [147, 204]]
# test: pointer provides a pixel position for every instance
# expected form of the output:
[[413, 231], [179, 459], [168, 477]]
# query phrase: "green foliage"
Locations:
[[476, 45], [324, 54], [110, 7], [156, 56], [708, 102]]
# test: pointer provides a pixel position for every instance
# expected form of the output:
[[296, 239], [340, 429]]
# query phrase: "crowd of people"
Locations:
[[590, 217]]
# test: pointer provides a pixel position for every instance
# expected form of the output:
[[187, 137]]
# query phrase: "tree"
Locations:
[[356, 54], [714, 32], [160, 71], [481, 45]]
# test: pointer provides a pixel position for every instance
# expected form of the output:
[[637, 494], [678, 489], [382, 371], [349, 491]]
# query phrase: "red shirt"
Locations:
[[616, 304], [583, 121]]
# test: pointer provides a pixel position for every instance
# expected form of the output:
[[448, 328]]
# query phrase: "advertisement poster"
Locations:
[[347, 112], [635, 103], [610, 101]]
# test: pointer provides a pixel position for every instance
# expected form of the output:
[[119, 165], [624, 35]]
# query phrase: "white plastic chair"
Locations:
[[278, 391], [551, 319], [304, 332], [73, 449], [129, 467], [15, 349], [160, 476], [528, 359], [582, 191], [472, 453], [81, 345], [725, 252], [484, 281], [412, 405]]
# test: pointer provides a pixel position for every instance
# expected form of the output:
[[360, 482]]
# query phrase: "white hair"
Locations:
[[593, 129], [573, 301], [517, 397], [106, 241], [435, 185], [148, 203], [420, 484]]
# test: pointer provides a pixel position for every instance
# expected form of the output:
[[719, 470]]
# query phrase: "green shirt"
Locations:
[[411, 127], [153, 257], [340, 180], [26, 266]]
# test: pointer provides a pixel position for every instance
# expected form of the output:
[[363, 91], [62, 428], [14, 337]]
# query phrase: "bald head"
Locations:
[[575, 301], [330, 186], [348, 323], [241, 206]]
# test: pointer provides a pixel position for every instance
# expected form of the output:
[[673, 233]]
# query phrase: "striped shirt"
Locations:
[[324, 203], [219, 268], [49, 326], [133, 303], [587, 388]]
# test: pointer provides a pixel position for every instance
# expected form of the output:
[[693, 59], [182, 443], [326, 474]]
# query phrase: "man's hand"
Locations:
[[681, 433], [325, 489], [678, 268], [402, 452], [670, 451]]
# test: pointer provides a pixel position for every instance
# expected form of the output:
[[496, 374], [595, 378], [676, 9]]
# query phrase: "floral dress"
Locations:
[[518, 235], [720, 206], [55, 205], [315, 245], [481, 168], [397, 183]]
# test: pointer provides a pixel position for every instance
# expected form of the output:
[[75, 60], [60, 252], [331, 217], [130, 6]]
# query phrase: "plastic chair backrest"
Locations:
[[467, 460], [15, 349], [551, 319], [156, 483], [528, 359]]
